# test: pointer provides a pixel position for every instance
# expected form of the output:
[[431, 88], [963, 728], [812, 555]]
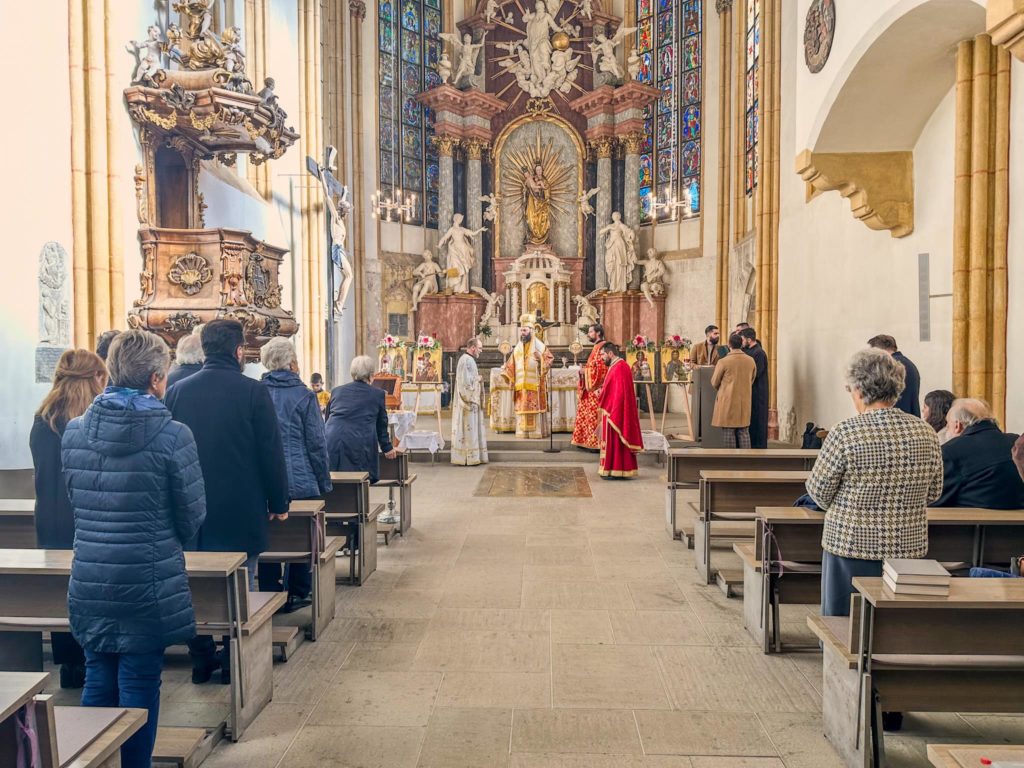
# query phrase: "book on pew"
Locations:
[[915, 577]]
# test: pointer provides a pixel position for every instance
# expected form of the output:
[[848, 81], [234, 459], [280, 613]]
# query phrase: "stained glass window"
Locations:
[[409, 46], [669, 41], [752, 92]]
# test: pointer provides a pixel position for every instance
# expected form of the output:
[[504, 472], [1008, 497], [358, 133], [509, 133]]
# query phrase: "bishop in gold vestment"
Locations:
[[527, 370]]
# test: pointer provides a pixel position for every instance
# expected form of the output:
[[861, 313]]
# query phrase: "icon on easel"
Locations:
[[427, 361]]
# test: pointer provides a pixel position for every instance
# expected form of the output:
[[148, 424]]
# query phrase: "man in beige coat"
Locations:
[[734, 379]]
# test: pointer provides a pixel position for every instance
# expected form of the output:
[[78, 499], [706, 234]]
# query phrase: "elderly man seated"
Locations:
[[978, 466]]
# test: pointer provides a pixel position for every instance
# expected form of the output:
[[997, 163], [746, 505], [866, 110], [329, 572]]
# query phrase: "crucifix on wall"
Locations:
[[338, 201]]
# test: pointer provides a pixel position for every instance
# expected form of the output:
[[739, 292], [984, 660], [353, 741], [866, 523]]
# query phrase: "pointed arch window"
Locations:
[[669, 41], [408, 46], [753, 57]]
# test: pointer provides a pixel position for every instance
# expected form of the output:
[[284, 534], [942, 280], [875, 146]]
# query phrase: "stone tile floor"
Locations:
[[543, 632]]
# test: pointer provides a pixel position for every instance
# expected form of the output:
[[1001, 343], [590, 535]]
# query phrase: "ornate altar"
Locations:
[[535, 101], [191, 101]]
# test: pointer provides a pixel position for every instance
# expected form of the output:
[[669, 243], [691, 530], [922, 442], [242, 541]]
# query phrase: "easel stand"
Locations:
[[650, 403], [686, 407], [436, 388]]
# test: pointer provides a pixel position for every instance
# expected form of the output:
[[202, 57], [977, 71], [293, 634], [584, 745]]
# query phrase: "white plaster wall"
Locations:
[[841, 283]]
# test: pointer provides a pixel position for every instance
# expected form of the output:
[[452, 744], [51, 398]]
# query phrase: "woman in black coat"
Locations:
[[137, 490], [357, 423], [80, 376]]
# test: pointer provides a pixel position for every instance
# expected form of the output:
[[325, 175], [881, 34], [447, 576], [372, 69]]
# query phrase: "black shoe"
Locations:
[[202, 671], [293, 604], [892, 721], [72, 675]]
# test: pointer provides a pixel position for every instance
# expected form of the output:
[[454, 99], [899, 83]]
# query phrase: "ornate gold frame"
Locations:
[[499, 145]]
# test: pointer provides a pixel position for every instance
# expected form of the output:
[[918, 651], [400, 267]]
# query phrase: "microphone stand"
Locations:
[[551, 426]]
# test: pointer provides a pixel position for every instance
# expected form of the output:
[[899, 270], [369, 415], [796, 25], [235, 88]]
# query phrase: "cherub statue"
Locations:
[[173, 47], [584, 200], [426, 278], [267, 95], [586, 313], [234, 55], [653, 283], [586, 8], [468, 53], [491, 10], [491, 212], [444, 68], [572, 30], [200, 16], [603, 51], [494, 303], [563, 72], [147, 55], [633, 65]]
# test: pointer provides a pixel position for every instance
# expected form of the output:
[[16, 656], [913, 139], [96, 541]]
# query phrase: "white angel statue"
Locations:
[[494, 303], [653, 283], [467, 52], [584, 200], [587, 8], [147, 54], [491, 211], [586, 313], [491, 10], [603, 51]]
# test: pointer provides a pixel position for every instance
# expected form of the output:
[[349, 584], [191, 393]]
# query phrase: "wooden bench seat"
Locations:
[[971, 755], [182, 746], [395, 476], [18, 523], [350, 515]]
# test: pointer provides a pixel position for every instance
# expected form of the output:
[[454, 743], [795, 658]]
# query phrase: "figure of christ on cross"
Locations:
[[527, 369], [336, 219]]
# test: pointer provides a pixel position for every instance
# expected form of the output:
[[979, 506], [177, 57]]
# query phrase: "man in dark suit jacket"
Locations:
[[979, 470], [910, 400], [232, 418], [759, 393], [357, 423]]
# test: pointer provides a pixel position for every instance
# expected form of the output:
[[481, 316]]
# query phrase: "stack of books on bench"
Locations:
[[915, 577]]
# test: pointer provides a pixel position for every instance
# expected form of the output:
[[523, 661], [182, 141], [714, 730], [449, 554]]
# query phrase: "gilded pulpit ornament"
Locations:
[[262, 290], [183, 322], [191, 272], [819, 30]]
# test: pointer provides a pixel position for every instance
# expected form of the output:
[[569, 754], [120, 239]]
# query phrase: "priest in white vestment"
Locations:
[[469, 443]]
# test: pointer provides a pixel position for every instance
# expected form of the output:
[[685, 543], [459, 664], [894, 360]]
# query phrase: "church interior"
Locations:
[[477, 211]]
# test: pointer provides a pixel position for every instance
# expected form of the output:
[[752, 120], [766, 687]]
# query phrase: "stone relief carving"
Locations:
[[191, 272], [819, 30], [54, 309]]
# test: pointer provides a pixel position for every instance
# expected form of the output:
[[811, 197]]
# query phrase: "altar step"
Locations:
[[510, 450]]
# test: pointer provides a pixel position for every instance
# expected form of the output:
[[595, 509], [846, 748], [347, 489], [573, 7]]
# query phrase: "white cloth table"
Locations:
[[564, 400], [654, 441], [403, 423], [422, 440]]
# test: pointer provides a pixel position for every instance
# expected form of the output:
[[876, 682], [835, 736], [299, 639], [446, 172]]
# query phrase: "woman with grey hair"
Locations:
[[305, 455], [875, 474], [188, 358], [357, 423], [137, 491]]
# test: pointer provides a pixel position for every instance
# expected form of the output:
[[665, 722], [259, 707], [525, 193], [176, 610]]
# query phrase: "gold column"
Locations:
[[981, 219], [256, 56], [96, 110], [358, 10], [314, 246], [725, 22], [766, 197]]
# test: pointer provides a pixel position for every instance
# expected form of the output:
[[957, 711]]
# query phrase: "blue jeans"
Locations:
[[991, 573], [127, 680]]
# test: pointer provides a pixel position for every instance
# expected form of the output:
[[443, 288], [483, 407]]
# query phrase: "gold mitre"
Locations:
[[527, 321]]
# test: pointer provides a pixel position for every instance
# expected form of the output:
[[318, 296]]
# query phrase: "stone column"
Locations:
[[603, 147], [631, 199], [474, 213], [446, 190]]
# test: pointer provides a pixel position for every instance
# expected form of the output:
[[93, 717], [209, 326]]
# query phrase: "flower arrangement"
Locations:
[[677, 342], [640, 342], [389, 342], [427, 342]]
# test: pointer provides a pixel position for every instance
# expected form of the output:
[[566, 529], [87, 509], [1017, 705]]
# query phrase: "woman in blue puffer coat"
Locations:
[[138, 496], [305, 455]]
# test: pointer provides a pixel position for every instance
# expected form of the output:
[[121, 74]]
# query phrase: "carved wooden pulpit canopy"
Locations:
[[191, 101]]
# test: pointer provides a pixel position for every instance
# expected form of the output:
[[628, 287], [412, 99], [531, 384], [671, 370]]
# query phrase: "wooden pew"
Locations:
[[394, 475], [17, 484], [68, 737], [33, 599], [728, 496], [685, 465], [302, 538], [18, 523], [349, 514], [959, 653], [791, 566]]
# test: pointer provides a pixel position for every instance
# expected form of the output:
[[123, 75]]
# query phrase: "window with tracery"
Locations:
[[752, 93], [669, 41], [409, 46]]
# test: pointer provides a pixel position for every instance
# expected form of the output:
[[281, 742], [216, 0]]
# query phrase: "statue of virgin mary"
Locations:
[[538, 206]]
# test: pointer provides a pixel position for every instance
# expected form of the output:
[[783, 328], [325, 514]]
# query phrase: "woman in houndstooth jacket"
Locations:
[[875, 475]]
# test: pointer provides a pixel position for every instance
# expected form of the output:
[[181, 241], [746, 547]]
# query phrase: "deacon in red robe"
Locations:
[[620, 420], [591, 379]]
